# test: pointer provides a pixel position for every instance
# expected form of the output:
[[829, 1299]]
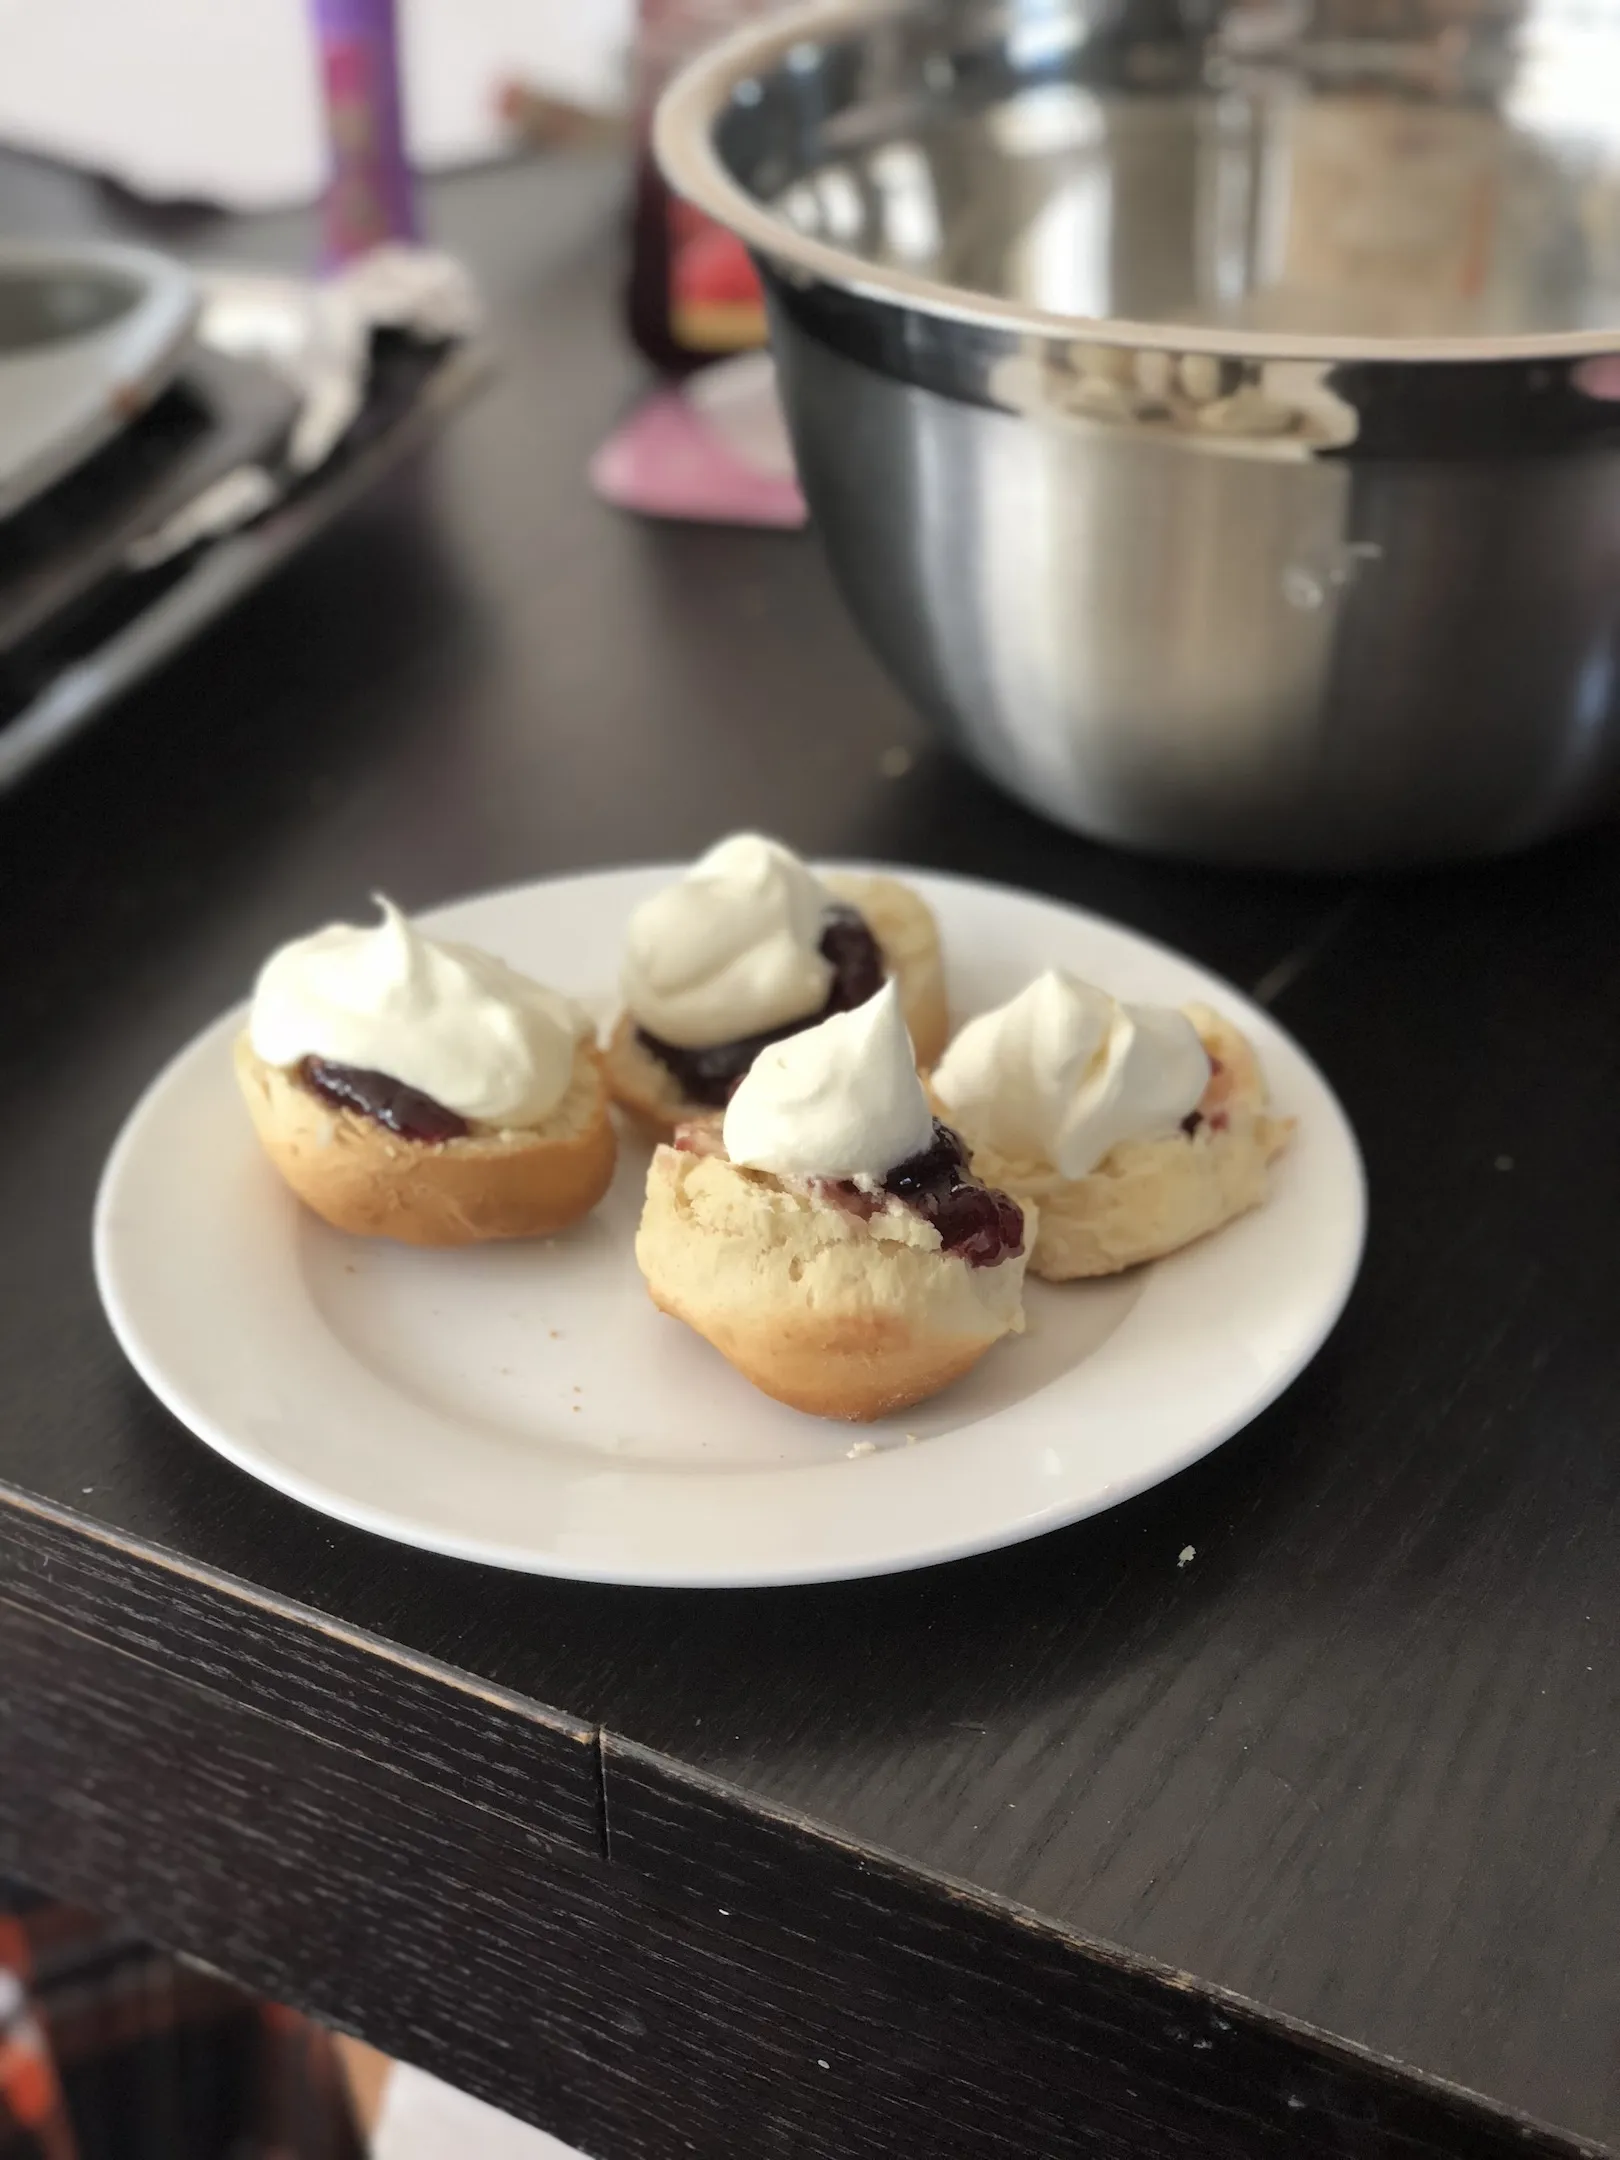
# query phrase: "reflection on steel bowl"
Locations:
[[1218, 434]]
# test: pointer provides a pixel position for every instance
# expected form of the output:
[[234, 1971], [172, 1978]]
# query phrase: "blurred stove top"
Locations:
[[83, 615]]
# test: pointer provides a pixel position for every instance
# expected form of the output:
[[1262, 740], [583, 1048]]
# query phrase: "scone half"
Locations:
[[834, 1315], [908, 937], [1148, 1198], [527, 1181]]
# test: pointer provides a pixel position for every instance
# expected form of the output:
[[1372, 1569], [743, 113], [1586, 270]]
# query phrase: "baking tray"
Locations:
[[115, 627]]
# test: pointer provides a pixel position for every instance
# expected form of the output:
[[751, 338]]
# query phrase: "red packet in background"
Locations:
[[693, 293], [713, 446], [715, 303]]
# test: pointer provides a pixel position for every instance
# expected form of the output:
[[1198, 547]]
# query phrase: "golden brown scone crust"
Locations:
[[906, 932], [358, 1176], [835, 1316], [644, 1085], [1150, 1197]]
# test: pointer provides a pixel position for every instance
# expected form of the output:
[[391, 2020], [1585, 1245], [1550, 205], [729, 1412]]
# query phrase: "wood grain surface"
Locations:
[[731, 1984], [1358, 1762], [465, 1737]]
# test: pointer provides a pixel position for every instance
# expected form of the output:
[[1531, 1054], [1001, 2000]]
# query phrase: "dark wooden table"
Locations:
[[1068, 1851]]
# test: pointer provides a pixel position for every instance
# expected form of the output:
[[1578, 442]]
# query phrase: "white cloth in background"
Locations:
[[220, 98], [421, 2119]]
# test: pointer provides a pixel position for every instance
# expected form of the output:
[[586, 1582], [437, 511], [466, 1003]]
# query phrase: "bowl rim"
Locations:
[[683, 142]]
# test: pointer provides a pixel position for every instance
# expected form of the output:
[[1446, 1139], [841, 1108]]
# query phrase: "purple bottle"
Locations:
[[369, 195]]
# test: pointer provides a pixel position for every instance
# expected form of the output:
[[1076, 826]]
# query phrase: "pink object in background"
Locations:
[[712, 450], [1599, 378]]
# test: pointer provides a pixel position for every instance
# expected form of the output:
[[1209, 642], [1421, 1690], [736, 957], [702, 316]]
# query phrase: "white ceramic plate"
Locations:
[[525, 1405]]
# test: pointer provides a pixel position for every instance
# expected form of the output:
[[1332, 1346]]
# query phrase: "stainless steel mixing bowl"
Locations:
[[1211, 411]]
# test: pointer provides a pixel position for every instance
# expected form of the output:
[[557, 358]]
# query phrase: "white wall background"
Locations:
[[219, 98]]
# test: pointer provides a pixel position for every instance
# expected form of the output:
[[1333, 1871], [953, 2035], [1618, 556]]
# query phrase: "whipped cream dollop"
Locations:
[[455, 1023], [731, 950], [840, 1100], [1063, 1073]]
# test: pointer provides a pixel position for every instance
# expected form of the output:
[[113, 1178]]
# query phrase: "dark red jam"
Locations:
[[708, 1075], [857, 963], [974, 1221], [404, 1110]]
